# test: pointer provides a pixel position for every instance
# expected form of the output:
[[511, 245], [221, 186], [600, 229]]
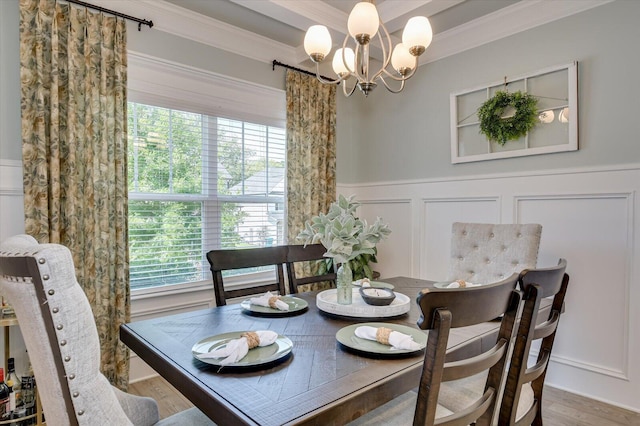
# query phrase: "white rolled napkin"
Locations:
[[237, 349], [266, 299], [364, 282], [462, 283], [397, 340]]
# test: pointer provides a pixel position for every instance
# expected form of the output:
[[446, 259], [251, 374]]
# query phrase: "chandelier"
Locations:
[[364, 24]]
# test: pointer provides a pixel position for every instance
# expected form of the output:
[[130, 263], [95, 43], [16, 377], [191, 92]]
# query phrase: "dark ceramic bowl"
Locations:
[[377, 296]]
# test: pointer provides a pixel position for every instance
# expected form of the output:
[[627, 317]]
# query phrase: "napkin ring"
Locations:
[[462, 283], [273, 300], [252, 338], [382, 335]]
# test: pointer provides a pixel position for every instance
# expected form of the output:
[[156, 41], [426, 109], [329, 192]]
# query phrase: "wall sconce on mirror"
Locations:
[[563, 116], [546, 117]]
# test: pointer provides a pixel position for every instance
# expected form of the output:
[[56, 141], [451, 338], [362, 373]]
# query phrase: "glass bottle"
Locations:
[[13, 377], [5, 411], [28, 391], [344, 281]]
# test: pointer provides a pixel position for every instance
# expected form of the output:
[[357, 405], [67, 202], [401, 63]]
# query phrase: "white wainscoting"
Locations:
[[11, 200], [589, 217]]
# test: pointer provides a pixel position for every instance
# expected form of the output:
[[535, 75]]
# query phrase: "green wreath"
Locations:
[[501, 130]]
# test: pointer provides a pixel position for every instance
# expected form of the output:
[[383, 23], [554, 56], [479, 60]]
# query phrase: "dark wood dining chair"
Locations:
[[522, 397], [227, 260], [443, 310], [296, 255]]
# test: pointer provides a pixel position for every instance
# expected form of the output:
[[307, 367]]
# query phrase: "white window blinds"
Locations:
[[198, 182]]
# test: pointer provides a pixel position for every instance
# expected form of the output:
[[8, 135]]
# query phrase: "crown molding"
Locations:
[[505, 22], [187, 24]]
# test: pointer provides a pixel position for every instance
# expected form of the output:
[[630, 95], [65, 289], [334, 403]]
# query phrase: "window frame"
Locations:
[[157, 82]]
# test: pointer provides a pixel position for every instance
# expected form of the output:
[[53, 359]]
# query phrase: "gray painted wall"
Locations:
[[10, 146], [407, 135]]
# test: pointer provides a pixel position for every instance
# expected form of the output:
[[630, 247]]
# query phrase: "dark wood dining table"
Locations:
[[321, 382]]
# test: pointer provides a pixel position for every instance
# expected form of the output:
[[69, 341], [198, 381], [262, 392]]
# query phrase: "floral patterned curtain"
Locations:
[[311, 152], [74, 148]]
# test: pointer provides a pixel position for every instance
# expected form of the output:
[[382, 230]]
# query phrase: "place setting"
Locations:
[[382, 340], [456, 284], [243, 350], [273, 305]]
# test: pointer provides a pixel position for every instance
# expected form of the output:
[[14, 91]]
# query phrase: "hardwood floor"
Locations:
[[560, 408]]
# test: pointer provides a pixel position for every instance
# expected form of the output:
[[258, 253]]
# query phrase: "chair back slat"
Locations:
[[467, 415], [226, 260], [472, 305], [537, 370], [460, 369], [549, 279], [548, 327], [309, 253]]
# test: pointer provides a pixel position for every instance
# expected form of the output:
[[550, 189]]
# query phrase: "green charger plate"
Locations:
[[378, 284], [256, 356], [296, 306], [347, 337]]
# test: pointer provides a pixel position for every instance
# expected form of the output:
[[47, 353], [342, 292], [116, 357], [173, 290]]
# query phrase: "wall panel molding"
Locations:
[[589, 216], [620, 371], [10, 177], [397, 213], [499, 176]]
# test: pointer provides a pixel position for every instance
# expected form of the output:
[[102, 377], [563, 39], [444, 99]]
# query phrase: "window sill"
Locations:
[[169, 290]]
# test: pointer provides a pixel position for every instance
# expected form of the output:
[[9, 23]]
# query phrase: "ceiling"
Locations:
[[267, 30], [285, 21]]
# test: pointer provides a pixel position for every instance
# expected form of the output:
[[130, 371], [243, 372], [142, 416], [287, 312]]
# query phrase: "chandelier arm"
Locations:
[[390, 89], [346, 91], [353, 72], [324, 81]]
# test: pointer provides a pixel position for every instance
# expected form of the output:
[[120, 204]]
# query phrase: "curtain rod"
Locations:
[[277, 63], [112, 12]]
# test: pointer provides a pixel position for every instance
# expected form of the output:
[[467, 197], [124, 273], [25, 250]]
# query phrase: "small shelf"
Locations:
[[20, 419], [6, 323]]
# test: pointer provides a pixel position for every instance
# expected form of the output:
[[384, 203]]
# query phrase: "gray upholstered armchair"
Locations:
[[61, 336], [484, 253]]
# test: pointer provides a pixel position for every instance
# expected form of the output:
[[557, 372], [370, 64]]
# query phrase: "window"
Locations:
[[199, 182]]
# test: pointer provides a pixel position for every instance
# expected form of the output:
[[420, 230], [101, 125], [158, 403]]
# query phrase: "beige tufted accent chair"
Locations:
[[60, 333], [484, 253]]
